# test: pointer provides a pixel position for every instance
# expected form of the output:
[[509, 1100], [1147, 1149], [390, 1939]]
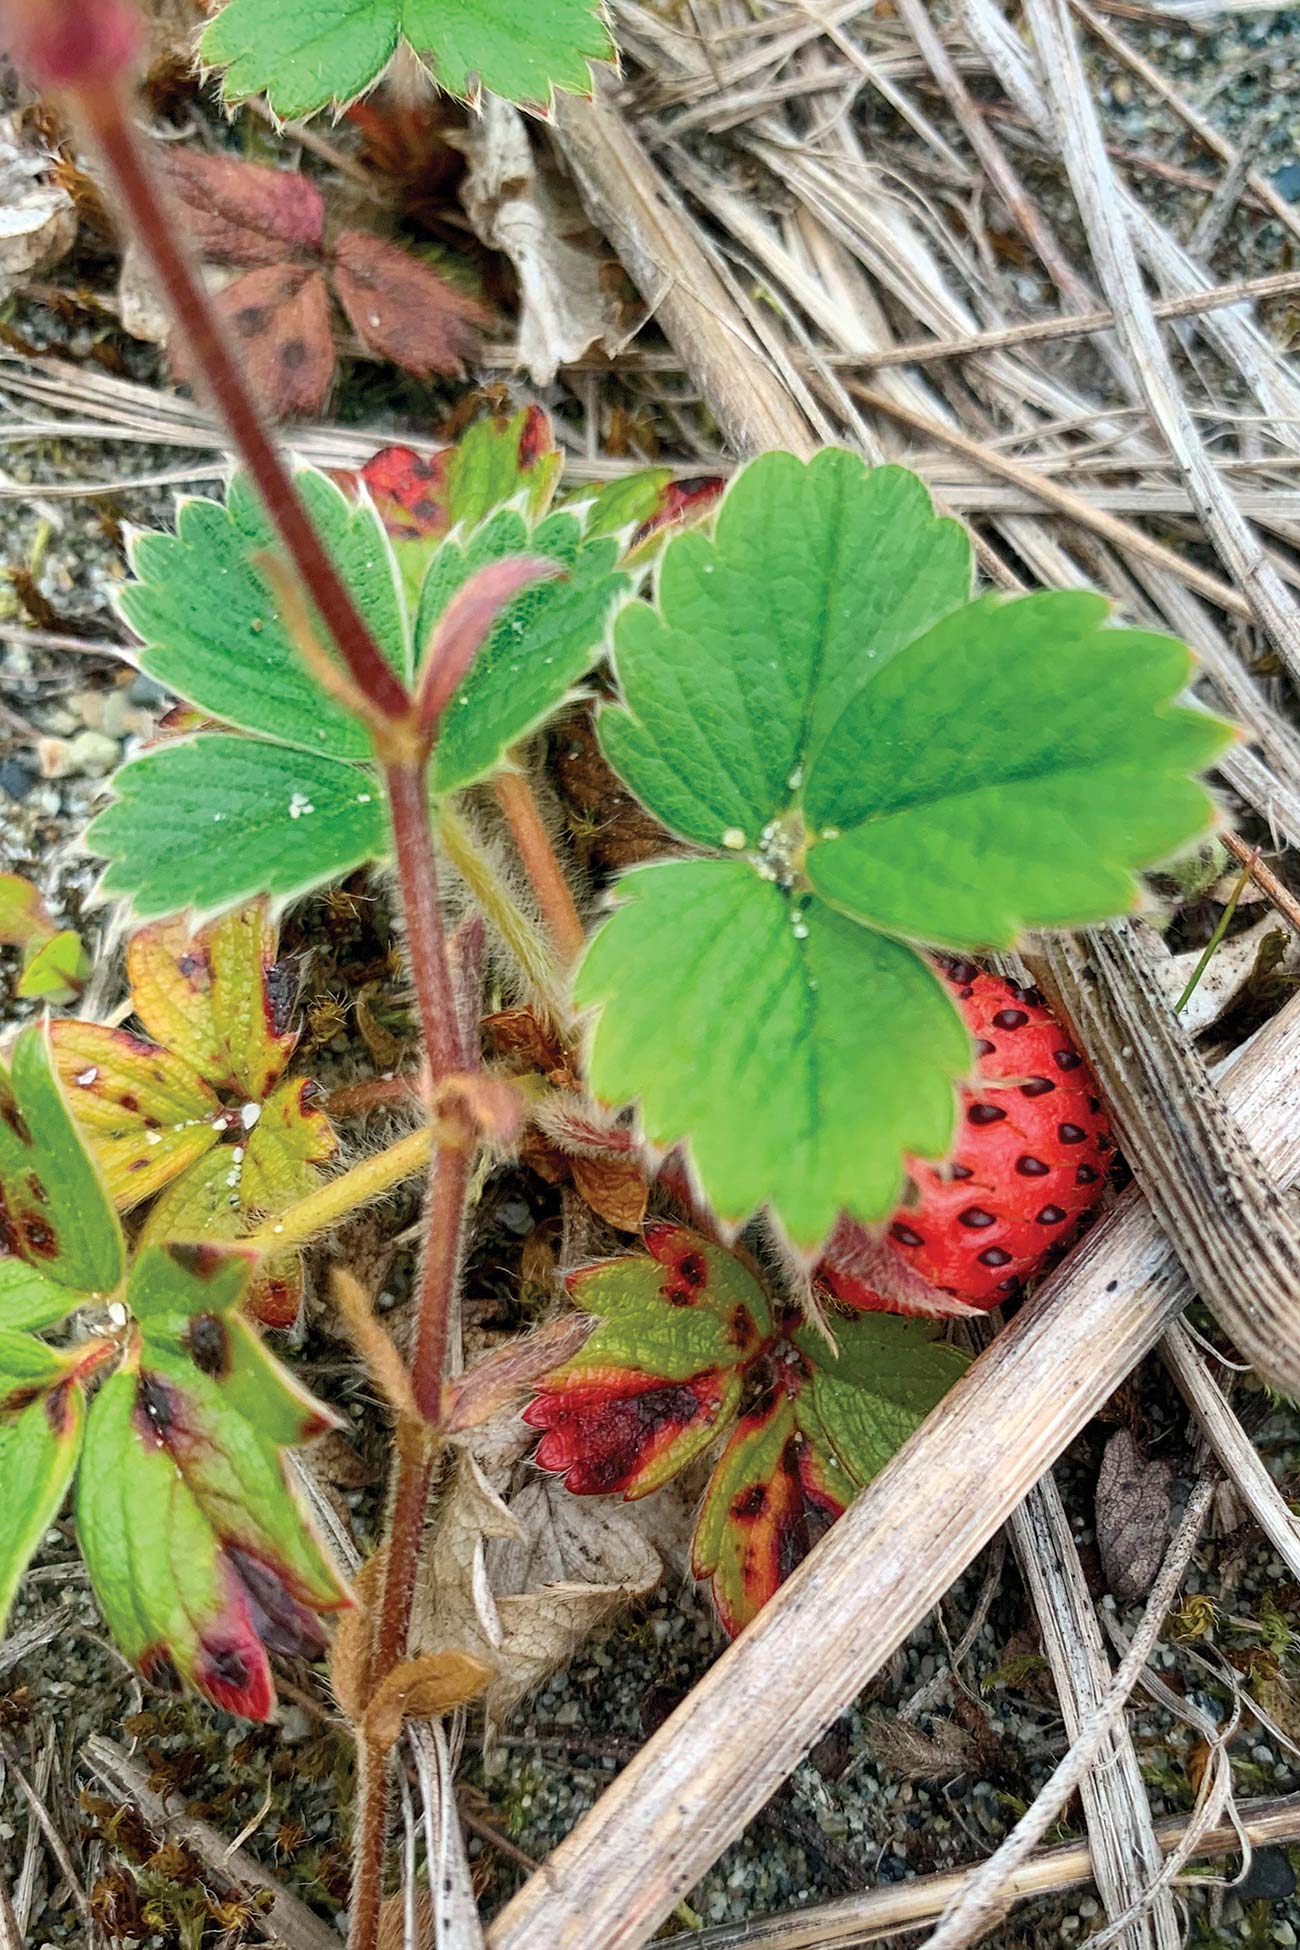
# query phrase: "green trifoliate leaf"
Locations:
[[199, 1553], [282, 817], [209, 624], [815, 575], [55, 1214], [211, 821], [814, 693], [42, 1410], [539, 647], [1010, 770], [801, 1054], [885, 1376], [303, 56]]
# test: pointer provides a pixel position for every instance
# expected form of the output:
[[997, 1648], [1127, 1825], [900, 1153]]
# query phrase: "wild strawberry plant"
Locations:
[[688, 1348], [867, 761], [302, 58], [199, 1553], [199, 1108]]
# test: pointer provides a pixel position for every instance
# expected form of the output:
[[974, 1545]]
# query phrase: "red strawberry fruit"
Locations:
[[1029, 1161]]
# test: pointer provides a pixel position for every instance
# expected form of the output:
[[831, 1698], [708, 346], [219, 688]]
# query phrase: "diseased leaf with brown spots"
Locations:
[[402, 309], [148, 1114], [242, 213], [659, 1378], [202, 1114], [770, 1498], [198, 1551], [42, 1412], [54, 1212], [279, 319], [686, 1347]]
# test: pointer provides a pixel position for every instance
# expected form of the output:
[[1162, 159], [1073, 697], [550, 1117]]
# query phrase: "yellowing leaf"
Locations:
[[148, 1114], [209, 998]]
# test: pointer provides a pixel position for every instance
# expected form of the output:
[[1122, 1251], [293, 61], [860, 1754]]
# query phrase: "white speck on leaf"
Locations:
[[86, 1077], [733, 838], [300, 805]]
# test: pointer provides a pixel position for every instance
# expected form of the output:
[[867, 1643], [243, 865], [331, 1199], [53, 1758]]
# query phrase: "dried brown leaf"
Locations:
[[401, 308], [616, 1189], [243, 213], [505, 1375], [1133, 1512], [422, 1689]]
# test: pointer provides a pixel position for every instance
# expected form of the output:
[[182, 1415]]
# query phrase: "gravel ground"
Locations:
[[858, 1810]]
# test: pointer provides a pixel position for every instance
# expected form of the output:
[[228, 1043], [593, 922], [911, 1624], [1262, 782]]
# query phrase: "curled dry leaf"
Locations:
[[520, 1574], [1133, 1513], [517, 209], [38, 224], [502, 1376], [402, 309], [422, 1689]]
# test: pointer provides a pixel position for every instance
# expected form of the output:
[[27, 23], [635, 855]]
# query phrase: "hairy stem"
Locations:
[[518, 802], [369, 1841], [157, 232], [530, 951]]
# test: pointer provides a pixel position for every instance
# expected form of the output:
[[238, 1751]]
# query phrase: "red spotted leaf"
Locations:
[[620, 1431], [660, 1376], [499, 457], [401, 308], [686, 1348], [773, 1494], [243, 213], [201, 1557]]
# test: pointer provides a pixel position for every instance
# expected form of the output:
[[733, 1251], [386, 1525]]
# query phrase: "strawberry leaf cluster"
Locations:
[[283, 797], [689, 1349], [303, 57], [200, 1555], [268, 225], [868, 762]]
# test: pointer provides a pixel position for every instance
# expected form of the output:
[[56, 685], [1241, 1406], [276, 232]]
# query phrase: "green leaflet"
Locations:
[[55, 1213], [543, 642], [284, 816], [885, 1376], [29, 1299], [41, 1418], [304, 54], [254, 818], [1030, 760], [691, 1306], [801, 1054], [814, 694], [762, 632], [209, 624]]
